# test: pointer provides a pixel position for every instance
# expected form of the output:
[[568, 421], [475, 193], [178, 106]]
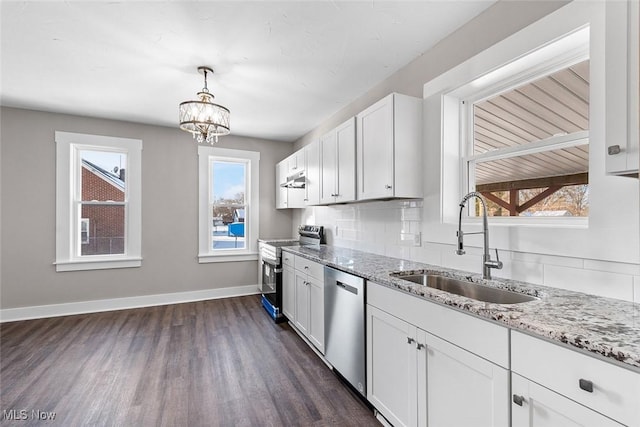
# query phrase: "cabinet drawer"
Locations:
[[312, 268], [615, 389], [287, 259]]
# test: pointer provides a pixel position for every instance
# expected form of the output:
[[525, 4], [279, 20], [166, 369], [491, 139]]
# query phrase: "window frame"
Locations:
[[206, 155], [68, 218], [457, 104]]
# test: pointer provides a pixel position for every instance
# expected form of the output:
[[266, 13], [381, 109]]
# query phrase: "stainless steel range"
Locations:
[[271, 254]]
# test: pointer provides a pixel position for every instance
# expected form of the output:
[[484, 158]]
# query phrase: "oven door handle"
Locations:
[[270, 261]]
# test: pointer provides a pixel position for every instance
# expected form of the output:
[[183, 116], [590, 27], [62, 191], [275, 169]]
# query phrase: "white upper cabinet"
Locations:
[[296, 162], [389, 149], [338, 160], [312, 171], [281, 178], [290, 197], [622, 87]]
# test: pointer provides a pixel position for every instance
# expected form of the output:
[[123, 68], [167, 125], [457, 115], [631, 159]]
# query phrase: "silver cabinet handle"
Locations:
[[419, 346], [613, 150], [388, 187], [410, 340], [518, 400]]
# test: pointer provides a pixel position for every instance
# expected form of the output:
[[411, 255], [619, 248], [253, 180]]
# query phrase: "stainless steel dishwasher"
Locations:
[[344, 330]]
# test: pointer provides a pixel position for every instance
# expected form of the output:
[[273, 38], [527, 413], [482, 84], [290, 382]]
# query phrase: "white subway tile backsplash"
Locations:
[[524, 271], [467, 262], [612, 267], [548, 259], [602, 283], [390, 228], [411, 214]]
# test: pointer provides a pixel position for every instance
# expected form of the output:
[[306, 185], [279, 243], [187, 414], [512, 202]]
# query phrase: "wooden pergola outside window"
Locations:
[[531, 146]]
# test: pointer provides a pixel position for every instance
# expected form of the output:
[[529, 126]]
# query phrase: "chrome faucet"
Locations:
[[487, 262]]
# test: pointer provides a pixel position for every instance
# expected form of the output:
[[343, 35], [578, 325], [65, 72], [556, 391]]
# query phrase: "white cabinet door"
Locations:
[[375, 150], [281, 178], [302, 303], [312, 171], [346, 170], [289, 293], [295, 162], [391, 367], [316, 313], [535, 406], [329, 168], [389, 147], [622, 84], [295, 198], [338, 164], [462, 389]]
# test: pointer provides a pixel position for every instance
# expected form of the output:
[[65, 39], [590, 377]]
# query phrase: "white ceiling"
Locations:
[[280, 67]]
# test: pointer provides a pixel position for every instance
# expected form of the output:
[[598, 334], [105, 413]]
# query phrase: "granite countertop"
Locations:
[[603, 326]]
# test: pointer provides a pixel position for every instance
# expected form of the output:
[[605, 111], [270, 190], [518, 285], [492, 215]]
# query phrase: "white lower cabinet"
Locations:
[[302, 303], [392, 370], [417, 379], [462, 389], [303, 297], [288, 287], [555, 385], [537, 406]]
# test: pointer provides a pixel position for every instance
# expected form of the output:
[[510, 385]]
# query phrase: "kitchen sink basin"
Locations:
[[466, 289]]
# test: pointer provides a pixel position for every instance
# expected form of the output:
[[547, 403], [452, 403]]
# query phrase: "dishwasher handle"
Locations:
[[346, 287]]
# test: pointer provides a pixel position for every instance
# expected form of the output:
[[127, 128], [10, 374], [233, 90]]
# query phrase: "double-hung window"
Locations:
[[228, 204], [98, 206], [528, 146]]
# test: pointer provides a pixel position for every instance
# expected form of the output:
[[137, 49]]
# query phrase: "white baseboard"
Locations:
[[95, 306]]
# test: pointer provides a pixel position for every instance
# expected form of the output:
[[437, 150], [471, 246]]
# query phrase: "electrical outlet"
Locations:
[[417, 239]]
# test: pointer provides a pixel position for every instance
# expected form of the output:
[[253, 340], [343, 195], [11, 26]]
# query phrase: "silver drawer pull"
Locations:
[[410, 340], [419, 346], [518, 400], [586, 385]]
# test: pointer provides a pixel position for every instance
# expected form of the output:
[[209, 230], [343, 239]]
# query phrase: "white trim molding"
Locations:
[[97, 306], [67, 256], [249, 253]]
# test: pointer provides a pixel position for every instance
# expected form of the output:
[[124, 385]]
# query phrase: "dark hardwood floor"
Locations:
[[209, 363]]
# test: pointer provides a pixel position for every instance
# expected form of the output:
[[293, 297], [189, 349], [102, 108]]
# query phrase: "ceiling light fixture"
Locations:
[[204, 119]]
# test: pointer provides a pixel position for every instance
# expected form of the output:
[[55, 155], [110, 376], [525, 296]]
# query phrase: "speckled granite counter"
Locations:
[[602, 326]]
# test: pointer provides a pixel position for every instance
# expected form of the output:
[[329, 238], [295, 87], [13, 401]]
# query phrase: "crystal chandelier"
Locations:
[[204, 119]]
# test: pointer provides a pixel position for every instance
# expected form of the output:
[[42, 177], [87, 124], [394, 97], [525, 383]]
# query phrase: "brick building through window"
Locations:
[[104, 218]]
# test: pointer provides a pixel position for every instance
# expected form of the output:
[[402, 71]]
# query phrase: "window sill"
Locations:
[[208, 258], [98, 264]]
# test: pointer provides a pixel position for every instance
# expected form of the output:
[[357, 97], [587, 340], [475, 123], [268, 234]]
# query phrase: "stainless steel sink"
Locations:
[[467, 289]]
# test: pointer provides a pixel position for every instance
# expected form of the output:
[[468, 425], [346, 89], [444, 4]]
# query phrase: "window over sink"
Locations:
[[527, 149]]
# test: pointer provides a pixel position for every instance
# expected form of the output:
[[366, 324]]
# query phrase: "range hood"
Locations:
[[297, 180]]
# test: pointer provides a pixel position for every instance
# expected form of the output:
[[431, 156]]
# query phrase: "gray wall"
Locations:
[[169, 213], [491, 26]]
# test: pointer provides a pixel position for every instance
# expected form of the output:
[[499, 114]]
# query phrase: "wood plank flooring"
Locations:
[[209, 363]]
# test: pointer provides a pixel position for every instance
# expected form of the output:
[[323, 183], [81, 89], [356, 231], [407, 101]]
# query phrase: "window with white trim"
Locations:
[[522, 135], [228, 204], [527, 148], [98, 202]]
